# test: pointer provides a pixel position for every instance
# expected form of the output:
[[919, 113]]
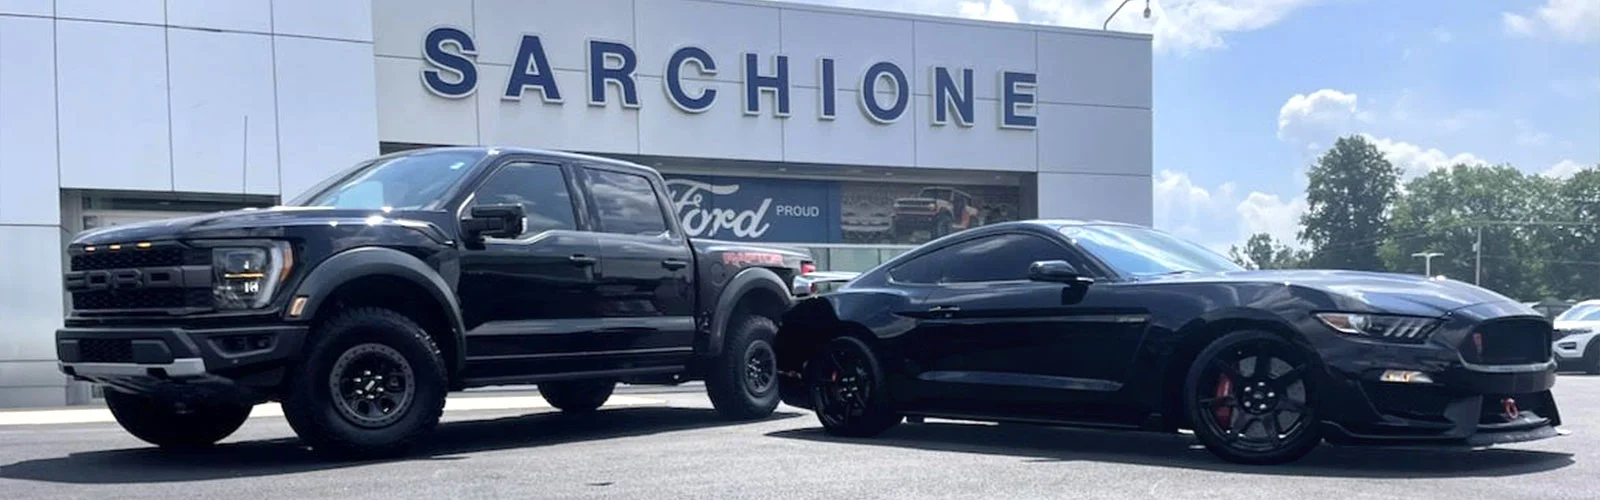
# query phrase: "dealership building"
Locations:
[[855, 133]]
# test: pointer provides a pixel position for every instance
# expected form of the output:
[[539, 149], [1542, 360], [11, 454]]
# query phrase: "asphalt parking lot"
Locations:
[[668, 444]]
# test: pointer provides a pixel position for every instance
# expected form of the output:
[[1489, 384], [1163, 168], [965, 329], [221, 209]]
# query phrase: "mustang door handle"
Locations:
[[582, 260], [674, 264], [939, 309]]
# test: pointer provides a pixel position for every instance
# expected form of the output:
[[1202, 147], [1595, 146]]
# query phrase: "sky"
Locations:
[[1247, 93]]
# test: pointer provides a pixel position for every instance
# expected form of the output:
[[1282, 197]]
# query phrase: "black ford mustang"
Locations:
[[1119, 326]]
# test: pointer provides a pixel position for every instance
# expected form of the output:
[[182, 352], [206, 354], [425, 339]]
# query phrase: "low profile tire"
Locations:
[[743, 382], [577, 396], [170, 426], [847, 389], [1591, 357], [1248, 397], [371, 383]]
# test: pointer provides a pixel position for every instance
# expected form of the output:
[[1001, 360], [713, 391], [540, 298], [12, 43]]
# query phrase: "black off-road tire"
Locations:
[[742, 382], [168, 426], [322, 421], [846, 365], [577, 396], [1277, 444]]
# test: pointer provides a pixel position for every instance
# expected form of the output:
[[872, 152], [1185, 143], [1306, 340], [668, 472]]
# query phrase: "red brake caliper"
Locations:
[[1223, 413]]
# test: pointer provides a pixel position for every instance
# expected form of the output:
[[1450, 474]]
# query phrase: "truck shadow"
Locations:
[[449, 441], [1043, 444]]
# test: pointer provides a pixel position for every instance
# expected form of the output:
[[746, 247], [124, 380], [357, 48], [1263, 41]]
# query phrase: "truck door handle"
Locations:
[[582, 260], [944, 309], [674, 264]]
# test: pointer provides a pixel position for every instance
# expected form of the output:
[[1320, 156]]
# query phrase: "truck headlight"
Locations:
[[1407, 329], [246, 277]]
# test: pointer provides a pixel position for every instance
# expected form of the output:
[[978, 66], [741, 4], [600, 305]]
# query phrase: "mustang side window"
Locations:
[[1004, 257], [541, 189]]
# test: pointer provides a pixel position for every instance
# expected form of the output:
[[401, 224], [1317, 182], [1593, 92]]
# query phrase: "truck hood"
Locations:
[[266, 222], [1388, 292]]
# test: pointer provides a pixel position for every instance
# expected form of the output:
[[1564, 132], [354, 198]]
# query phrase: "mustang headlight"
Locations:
[[246, 277], [1408, 329]]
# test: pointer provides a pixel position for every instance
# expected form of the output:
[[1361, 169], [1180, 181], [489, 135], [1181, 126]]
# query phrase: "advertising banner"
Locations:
[[810, 211]]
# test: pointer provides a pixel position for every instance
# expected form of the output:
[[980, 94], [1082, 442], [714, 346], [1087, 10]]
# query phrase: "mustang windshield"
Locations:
[[405, 182], [1144, 252]]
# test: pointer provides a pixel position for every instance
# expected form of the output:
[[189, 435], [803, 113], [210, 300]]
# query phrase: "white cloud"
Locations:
[[1569, 20], [1442, 35], [1565, 169], [1417, 160], [1218, 217], [1529, 136], [1314, 120], [993, 10]]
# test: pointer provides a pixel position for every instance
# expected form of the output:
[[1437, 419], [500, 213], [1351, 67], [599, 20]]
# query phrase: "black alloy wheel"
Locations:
[[846, 388], [373, 385], [742, 382], [761, 369], [1249, 399]]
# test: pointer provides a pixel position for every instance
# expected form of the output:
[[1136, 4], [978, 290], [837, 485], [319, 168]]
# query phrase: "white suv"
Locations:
[[1575, 331]]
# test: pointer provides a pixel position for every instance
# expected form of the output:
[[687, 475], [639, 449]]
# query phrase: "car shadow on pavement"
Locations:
[[288, 456], [1045, 444]]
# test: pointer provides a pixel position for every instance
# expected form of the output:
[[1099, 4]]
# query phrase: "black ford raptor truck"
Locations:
[[362, 303]]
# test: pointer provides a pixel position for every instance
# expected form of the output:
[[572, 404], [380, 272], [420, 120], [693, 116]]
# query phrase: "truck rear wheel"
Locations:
[[743, 381], [371, 383], [577, 396], [169, 425]]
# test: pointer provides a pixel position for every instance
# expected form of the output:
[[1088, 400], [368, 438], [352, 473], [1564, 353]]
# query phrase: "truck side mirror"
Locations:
[[492, 221]]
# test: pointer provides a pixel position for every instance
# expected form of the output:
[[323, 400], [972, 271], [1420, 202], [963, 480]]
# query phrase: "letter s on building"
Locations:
[[464, 72]]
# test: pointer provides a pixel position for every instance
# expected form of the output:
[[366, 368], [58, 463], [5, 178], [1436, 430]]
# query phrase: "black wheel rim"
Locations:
[[1254, 396], [760, 369], [841, 385], [372, 385]]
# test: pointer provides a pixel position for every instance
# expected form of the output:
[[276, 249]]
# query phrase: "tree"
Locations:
[[1262, 251], [1442, 212], [1352, 187], [1570, 268]]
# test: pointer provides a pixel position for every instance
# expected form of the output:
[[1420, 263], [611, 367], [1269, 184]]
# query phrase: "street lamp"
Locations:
[[1119, 9], [1427, 261]]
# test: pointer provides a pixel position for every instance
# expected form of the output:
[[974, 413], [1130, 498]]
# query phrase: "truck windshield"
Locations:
[[405, 182]]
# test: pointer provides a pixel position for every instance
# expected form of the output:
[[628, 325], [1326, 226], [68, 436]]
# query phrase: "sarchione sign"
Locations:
[[451, 72]]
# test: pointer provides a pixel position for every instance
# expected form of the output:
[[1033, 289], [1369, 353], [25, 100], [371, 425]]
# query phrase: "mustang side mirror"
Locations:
[[493, 221], [1057, 271]]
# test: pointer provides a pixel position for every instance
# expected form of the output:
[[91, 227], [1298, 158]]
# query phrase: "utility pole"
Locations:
[[1427, 261], [1477, 248]]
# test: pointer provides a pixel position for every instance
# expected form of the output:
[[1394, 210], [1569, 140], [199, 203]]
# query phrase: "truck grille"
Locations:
[[161, 256], [1508, 342], [153, 298], [105, 350]]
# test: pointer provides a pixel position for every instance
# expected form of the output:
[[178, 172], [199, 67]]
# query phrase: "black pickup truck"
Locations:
[[361, 304]]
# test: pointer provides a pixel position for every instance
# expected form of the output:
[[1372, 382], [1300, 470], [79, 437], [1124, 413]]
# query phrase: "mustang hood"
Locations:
[[243, 223], [1388, 292]]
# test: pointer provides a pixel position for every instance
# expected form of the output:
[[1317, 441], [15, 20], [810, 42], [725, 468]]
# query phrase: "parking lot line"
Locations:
[[91, 415]]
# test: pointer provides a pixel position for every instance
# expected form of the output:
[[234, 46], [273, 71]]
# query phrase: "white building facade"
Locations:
[[854, 132]]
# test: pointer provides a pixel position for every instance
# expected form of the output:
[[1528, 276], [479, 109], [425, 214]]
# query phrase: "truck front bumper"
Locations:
[[151, 359]]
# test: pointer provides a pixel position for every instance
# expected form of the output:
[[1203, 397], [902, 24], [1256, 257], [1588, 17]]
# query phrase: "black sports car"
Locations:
[[1119, 326]]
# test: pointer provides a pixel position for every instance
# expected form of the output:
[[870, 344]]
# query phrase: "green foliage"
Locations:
[[1347, 203], [1541, 236]]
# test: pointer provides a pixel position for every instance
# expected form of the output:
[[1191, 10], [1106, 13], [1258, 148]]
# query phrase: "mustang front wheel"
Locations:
[[1248, 398], [846, 387]]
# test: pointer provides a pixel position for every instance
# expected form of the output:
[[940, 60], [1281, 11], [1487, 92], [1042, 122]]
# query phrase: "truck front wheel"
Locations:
[[743, 381], [371, 383], [170, 425]]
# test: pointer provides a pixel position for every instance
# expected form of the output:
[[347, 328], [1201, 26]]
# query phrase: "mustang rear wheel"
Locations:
[[1248, 397], [847, 390]]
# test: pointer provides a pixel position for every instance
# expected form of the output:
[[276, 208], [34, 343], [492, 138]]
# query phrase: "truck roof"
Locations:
[[491, 151]]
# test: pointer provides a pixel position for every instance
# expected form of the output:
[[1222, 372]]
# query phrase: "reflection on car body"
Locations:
[[1119, 326]]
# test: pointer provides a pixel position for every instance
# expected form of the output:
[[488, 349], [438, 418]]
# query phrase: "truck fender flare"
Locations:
[[361, 262], [737, 288]]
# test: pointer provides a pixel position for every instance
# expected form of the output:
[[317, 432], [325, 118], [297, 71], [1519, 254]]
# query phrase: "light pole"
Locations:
[[1427, 261], [1119, 9]]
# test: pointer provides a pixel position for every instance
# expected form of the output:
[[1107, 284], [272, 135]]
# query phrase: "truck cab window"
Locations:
[[627, 203], [540, 189]]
